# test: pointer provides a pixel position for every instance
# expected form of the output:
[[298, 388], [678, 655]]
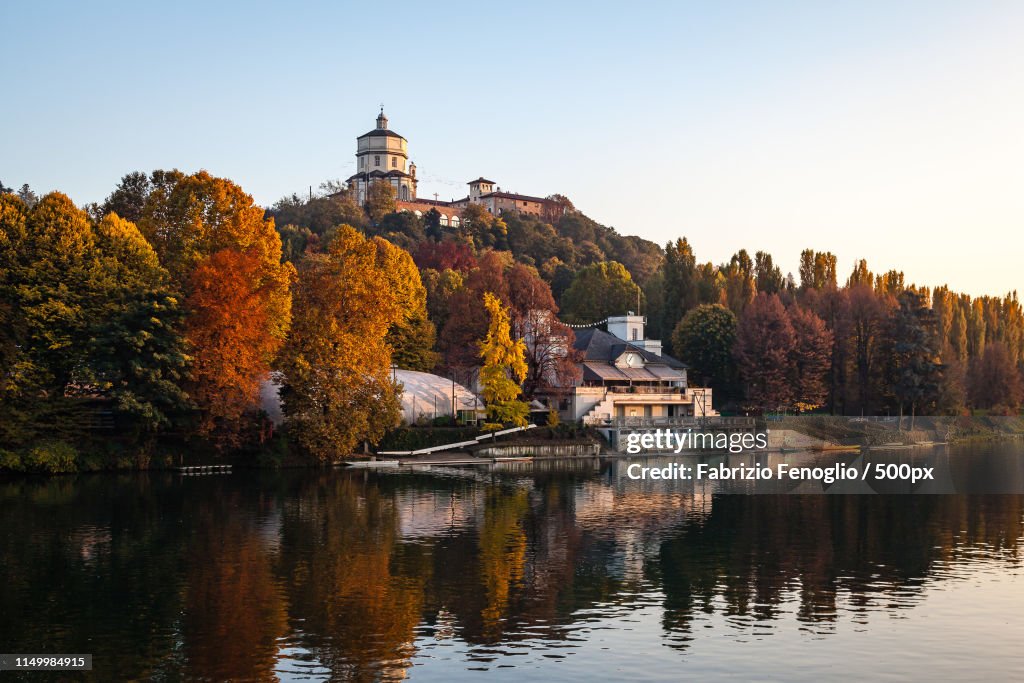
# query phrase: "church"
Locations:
[[382, 155]]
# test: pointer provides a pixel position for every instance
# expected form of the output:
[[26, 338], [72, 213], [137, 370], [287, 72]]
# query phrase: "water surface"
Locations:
[[530, 572]]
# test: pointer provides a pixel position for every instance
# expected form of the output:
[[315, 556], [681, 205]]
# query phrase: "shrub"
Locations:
[[9, 460], [53, 457]]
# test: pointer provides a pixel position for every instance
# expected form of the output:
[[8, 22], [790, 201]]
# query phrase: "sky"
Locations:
[[887, 131]]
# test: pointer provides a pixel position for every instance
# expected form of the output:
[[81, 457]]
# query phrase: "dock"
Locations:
[[204, 469]]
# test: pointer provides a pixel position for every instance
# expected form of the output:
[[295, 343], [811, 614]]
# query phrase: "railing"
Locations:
[[675, 391], [695, 422]]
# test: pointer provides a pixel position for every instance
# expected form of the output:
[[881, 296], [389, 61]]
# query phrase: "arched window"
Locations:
[[405, 193], [455, 221], [419, 214], [444, 220]]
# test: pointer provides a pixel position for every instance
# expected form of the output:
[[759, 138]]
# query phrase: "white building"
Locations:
[[626, 376]]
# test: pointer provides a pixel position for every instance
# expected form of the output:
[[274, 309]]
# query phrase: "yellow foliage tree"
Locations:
[[504, 367], [412, 337], [337, 365]]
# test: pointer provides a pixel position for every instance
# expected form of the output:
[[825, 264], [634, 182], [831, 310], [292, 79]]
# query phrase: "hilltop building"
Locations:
[[382, 155]]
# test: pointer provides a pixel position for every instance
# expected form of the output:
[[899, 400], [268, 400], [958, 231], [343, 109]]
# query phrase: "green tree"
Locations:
[[704, 339], [601, 290], [504, 367], [914, 353], [680, 293], [767, 275], [136, 349]]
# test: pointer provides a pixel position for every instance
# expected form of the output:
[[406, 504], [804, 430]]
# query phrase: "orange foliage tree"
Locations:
[[226, 257]]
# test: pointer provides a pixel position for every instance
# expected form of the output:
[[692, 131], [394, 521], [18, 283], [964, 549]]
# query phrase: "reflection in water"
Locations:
[[356, 576]]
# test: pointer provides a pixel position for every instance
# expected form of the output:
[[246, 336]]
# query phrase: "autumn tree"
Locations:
[[704, 339], [995, 381], [810, 358], [504, 367], [764, 340], [550, 356], [412, 337], [336, 366], [225, 256], [380, 200]]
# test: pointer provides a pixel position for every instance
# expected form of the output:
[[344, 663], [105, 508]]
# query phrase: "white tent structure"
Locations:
[[426, 396]]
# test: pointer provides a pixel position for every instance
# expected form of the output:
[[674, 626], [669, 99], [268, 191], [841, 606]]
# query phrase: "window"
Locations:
[[444, 220], [362, 162], [376, 160], [455, 221], [394, 162]]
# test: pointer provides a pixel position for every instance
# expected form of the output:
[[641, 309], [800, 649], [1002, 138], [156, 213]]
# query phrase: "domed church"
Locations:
[[382, 154]]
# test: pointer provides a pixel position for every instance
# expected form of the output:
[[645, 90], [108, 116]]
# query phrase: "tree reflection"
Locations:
[[166, 577]]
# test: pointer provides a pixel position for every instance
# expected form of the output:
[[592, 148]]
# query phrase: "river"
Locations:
[[564, 570]]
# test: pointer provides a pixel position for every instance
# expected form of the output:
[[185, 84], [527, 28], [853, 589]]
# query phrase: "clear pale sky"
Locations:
[[879, 130]]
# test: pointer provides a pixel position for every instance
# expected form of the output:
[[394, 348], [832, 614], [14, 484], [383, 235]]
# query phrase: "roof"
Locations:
[[424, 393], [603, 371], [598, 345], [379, 132], [481, 179], [363, 175], [510, 195]]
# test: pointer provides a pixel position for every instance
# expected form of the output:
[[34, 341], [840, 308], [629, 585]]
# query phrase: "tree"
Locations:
[[128, 200], [739, 282], [764, 340], [412, 336], [27, 196], [504, 367], [90, 313], [680, 286], [138, 354], [994, 380], [704, 339], [811, 358], [767, 275], [440, 286], [336, 366], [601, 290], [817, 269], [225, 257], [380, 200], [913, 348], [550, 356]]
